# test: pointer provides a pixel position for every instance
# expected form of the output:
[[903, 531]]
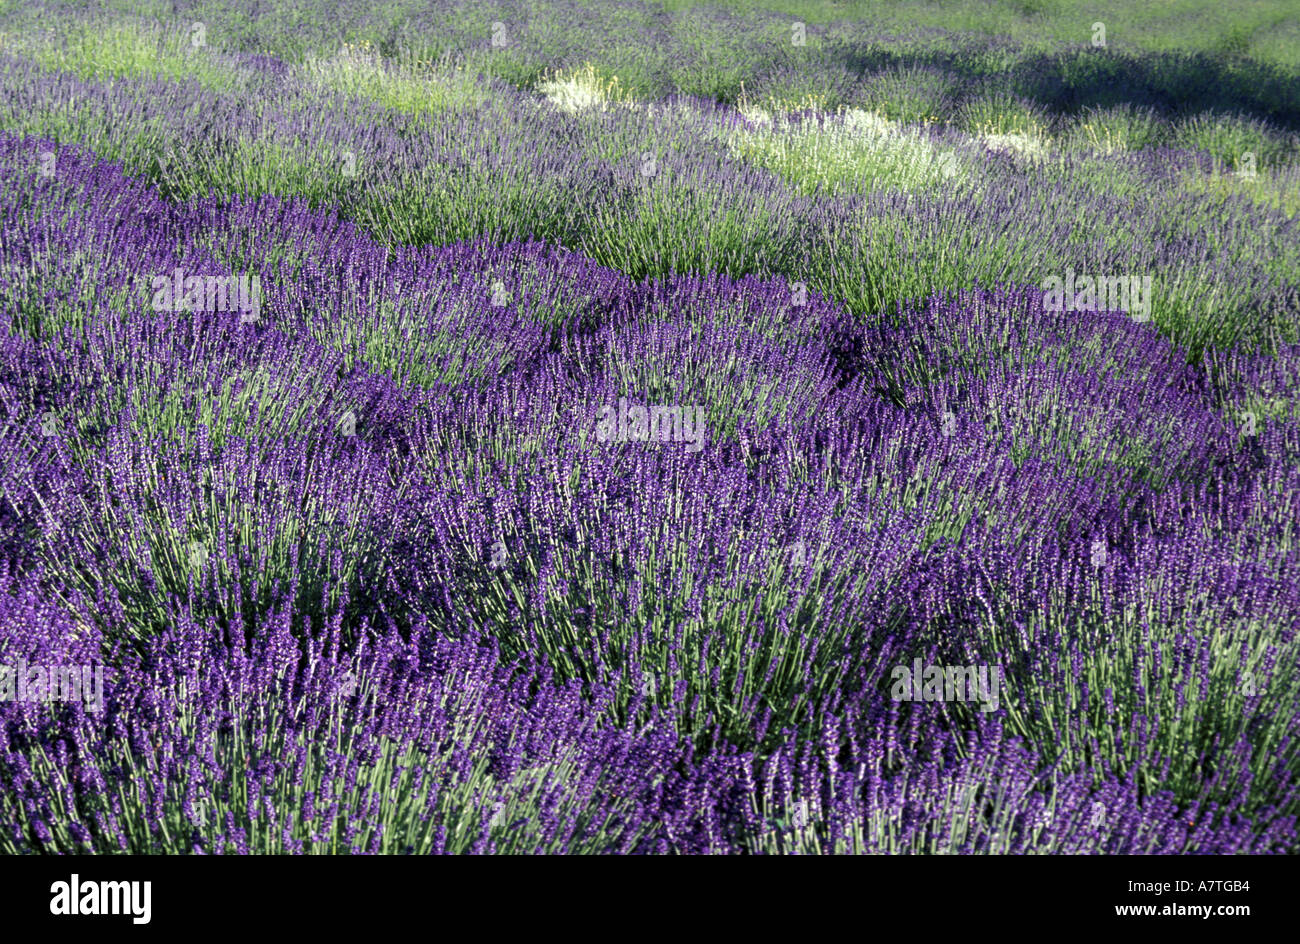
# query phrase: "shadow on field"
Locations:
[[1173, 84]]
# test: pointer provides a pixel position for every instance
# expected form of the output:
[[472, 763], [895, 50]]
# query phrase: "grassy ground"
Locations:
[[1266, 30]]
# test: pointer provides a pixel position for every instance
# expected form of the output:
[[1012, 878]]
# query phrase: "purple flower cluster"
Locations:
[[363, 577]]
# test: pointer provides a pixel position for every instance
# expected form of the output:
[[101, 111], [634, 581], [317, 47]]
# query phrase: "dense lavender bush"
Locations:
[[358, 583]]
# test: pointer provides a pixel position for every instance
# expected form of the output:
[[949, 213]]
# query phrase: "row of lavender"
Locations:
[[1061, 61], [355, 585], [681, 187]]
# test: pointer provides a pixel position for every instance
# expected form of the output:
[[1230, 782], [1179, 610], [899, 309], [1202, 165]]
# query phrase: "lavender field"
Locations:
[[649, 427]]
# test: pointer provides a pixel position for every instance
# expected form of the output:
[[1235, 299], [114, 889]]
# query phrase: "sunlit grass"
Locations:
[[850, 149], [1236, 140], [414, 87], [129, 50], [998, 112], [1278, 190], [582, 88], [1119, 128], [1024, 145]]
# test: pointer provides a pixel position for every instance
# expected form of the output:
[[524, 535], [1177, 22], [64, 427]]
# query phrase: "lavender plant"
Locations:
[[438, 446]]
